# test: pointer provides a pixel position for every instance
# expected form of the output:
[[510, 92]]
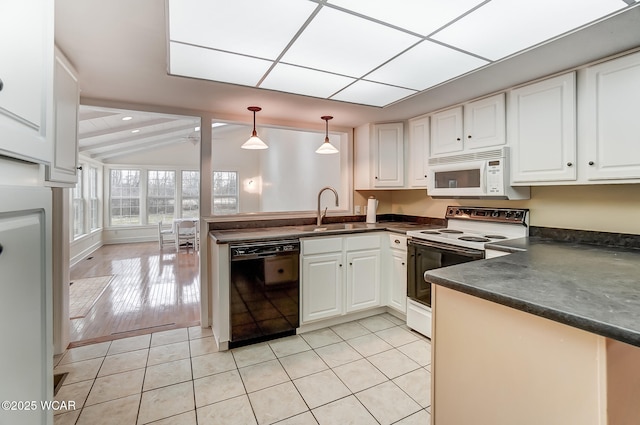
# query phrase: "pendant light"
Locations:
[[254, 141], [326, 147]]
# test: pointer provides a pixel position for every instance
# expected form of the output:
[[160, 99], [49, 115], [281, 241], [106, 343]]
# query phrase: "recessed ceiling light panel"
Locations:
[[309, 82], [260, 28], [503, 27], [419, 16], [370, 93], [425, 65], [345, 44], [208, 64]]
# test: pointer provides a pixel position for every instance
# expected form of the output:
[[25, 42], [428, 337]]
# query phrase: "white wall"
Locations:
[[287, 176], [293, 173], [227, 155]]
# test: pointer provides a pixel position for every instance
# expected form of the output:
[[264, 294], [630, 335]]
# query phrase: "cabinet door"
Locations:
[[398, 281], [446, 132], [484, 123], [388, 154], [26, 75], [25, 306], [322, 286], [65, 144], [612, 127], [542, 131], [363, 279], [418, 152]]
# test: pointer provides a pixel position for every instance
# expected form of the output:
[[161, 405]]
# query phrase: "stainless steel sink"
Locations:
[[332, 227]]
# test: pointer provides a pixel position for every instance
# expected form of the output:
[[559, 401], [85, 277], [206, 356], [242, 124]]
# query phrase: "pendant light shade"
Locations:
[[254, 141], [326, 147]]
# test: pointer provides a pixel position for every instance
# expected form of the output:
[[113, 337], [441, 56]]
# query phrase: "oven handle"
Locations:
[[469, 252]]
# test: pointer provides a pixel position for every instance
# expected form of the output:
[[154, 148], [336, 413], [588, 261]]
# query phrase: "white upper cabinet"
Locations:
[[388, 155], [446, 132], [64, 159], [26, 79], [610, 120], [418, 155], [542, 131], [379, 156], [475, 125], [484, 123]]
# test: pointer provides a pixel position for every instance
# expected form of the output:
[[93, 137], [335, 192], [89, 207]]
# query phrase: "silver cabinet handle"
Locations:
[[397, 241]]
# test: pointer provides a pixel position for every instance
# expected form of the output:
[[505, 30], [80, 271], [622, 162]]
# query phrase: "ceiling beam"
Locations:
[[134, 138]]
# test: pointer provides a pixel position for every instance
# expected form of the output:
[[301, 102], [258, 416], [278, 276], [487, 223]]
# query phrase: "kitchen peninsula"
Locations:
[[548, 335]]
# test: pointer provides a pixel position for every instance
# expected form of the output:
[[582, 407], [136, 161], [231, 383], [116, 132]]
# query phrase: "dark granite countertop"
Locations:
[[294, 232], [589, 287]]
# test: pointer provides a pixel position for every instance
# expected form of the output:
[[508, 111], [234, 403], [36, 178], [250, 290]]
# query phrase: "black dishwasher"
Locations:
[[264, 291]]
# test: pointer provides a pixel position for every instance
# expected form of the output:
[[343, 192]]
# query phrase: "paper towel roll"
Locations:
[[372, 206]]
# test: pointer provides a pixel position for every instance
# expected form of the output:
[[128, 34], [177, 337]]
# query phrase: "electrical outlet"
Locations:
[[357, 209]]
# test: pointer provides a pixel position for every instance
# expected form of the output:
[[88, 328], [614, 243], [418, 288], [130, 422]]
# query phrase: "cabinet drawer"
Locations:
[[354, 243], [321, 245], [397, 241]]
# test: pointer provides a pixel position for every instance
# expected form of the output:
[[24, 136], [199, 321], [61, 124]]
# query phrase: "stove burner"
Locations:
[[450, 231], [495, 236], [430, 232], [473, 239]]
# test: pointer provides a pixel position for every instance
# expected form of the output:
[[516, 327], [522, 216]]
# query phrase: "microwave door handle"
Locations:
[[483, 177]]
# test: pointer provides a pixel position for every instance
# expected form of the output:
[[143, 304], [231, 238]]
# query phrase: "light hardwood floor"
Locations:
[[152, 290]]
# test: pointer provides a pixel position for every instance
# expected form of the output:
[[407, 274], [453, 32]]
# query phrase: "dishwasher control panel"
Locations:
[[264, 248]]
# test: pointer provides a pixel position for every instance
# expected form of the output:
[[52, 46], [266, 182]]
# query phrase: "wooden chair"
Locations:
[[165, 236], [187, 233]]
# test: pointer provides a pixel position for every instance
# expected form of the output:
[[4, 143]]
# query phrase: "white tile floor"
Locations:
[[371, 371]]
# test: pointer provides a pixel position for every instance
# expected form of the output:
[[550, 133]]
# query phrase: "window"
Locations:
[[190, 194], [161, 196], [125, 197], [225, 192], [78, 207], [94, 211]]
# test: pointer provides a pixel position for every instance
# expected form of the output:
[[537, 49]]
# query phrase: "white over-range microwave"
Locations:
[[482, 174]]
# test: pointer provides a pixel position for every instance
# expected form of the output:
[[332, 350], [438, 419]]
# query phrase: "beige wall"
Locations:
[[606, 208]]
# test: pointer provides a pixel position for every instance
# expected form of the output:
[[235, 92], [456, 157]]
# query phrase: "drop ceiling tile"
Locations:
[[370, 93], [420, 16], [212, 65], [260, 28], [503, 27], [425, 65], [309, 82], [345, 44]]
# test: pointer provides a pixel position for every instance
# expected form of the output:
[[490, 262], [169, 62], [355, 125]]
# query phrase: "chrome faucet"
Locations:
[[321, 215]]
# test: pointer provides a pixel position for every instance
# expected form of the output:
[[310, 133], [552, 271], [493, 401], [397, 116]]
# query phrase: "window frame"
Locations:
[[235, 196], [78, 205], [141, 206], [182, 192], [171, 200]]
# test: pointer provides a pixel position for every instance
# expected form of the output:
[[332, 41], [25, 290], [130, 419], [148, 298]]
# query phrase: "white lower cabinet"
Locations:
[[339, 275], [397, 273], [321, 286], [26, 304], [363, 280]]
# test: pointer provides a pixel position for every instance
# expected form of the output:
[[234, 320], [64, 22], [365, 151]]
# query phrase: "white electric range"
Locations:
[[463, 240]]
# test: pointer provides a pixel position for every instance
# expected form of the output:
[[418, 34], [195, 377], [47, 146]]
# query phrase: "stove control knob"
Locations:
[[495, 214], [451, 210], [507, 214], [517, 215]]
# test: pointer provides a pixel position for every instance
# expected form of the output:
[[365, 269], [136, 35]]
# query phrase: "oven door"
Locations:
[[426, 255]]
